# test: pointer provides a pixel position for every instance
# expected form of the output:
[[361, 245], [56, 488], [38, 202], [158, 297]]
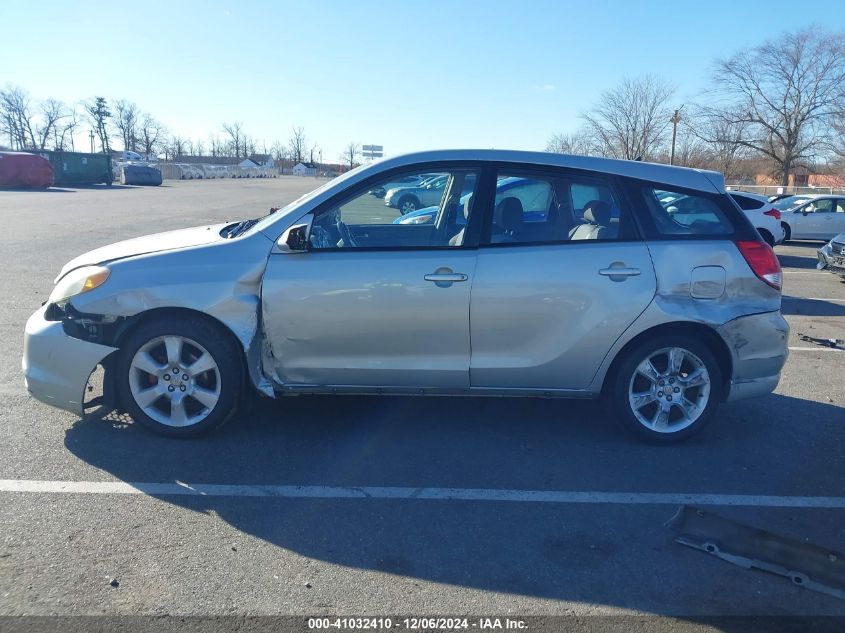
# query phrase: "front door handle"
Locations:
[[445, 277], [618, 271]]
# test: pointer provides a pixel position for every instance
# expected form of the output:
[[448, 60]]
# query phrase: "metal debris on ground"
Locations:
[[835, 343], [805, 564]]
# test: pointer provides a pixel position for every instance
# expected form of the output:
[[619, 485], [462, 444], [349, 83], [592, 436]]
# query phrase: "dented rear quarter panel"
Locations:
[[743, 295]]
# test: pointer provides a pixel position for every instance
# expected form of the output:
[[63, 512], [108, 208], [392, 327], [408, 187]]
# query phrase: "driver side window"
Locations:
[[825, 205], [407, 210]]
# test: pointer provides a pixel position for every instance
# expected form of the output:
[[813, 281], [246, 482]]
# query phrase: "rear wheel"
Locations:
[[787, 233], [179, 377], [408, 204], [666, 388]]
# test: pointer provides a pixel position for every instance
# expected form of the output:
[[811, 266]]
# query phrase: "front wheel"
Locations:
[[179, 377], [666, 388]]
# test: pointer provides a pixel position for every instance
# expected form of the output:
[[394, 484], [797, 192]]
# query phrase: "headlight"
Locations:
[[78, 281], [420, 219]]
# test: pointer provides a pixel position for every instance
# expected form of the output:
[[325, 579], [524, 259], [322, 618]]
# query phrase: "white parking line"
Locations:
[[790, 298], [815, 349], [806, 272], [403, 493]]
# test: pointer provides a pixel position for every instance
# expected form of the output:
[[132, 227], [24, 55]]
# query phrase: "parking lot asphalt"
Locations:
[[351, 544]]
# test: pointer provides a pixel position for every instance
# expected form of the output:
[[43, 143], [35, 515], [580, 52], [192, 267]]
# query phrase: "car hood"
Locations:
[[167, 241]]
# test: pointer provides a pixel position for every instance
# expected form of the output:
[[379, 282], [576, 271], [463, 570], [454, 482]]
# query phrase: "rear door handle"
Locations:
[[619, 272], [445, 277]]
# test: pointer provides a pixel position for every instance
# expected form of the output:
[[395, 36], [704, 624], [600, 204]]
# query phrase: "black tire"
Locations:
[[767, 237], [216, 342], [624, 373], [410, 202], [787, 233]]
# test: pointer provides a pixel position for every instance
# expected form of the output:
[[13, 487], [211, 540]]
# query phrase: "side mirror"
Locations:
[[295, 238]]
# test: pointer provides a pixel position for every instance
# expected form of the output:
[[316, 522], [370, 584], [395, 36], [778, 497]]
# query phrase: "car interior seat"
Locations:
[[458, 238], [509, 218], [597, 223]]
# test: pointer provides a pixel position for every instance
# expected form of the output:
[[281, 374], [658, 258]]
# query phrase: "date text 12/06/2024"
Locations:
[[416, 624]]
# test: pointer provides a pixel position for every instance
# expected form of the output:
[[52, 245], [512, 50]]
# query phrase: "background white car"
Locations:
[[812, 217], [763, 215]]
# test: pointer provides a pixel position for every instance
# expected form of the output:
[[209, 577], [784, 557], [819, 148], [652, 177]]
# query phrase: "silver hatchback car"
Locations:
[[585, 281]]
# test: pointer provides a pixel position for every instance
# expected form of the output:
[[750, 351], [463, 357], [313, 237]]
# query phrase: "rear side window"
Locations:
[[678, 213], [747, 204]]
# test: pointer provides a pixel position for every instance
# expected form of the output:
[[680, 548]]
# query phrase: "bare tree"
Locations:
[[297, 144], [839, 136], [63, 134], [126, 115], [724, 137], [176, 147], [150, 133], [577, 143], [236, 137], [351, 154], [788, 92], [16, 117], [279, 151], [215, 145], [630, 120], [199, 148], [52, 111], [99, 114], [248, 145]]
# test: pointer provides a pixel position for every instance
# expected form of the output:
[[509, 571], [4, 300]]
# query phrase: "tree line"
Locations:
[[52, 124], [771, 108]]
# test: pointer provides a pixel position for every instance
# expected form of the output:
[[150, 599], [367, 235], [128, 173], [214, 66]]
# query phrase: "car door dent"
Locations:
[[355, 317]]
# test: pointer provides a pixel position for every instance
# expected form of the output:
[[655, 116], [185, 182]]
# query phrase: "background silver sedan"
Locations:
[[607, 290]]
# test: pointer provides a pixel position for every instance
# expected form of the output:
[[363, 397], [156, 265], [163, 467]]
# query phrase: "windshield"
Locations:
[[790, 203], [267, 220]]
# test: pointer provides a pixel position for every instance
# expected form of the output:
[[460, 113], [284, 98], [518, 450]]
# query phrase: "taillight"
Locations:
[[763, 261], [773, 213]]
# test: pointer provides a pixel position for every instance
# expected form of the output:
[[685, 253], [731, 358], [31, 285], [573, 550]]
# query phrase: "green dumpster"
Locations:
[[77, 168]]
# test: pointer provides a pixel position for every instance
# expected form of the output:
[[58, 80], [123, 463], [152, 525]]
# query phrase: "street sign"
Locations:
[[372, 151]]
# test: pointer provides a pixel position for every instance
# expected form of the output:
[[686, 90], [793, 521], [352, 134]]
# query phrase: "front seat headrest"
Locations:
[[510, 213], [597, 212], [467, 205]]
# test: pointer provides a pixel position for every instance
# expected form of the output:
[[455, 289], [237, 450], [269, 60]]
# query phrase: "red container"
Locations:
[[18, 169]]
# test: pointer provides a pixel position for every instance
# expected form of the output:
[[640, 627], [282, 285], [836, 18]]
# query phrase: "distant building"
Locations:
[[305, 169], [803, 177], [258, 160], [798, 177]]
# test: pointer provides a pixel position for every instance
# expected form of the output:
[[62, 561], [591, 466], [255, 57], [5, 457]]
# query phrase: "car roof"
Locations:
[[753, 196], [685, 177]]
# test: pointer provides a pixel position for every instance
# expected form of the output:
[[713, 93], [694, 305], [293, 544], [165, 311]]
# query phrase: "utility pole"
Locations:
[[91, 136], [676, 118]]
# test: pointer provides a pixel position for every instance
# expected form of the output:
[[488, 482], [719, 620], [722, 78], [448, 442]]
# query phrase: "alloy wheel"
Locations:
[[669, 390], [174, 380]]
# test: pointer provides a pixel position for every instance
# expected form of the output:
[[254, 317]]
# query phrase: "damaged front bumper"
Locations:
[[831, 257], [57, 366], [759, 347]]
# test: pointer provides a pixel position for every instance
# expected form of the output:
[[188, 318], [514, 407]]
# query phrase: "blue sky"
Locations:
[[406, 74]]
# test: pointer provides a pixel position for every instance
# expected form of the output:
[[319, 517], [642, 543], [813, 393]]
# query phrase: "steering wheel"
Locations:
[[345, 235]]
